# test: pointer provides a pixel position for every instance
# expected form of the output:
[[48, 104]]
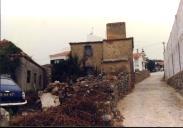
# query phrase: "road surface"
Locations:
[[152, 103]]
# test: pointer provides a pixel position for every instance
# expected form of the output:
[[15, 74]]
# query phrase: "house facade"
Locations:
[[139, 61], [173, 52], [111, 55], [30, 76]]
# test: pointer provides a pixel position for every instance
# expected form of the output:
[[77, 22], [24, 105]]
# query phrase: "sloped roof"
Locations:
[[5, 43], [65, 53], [136, 56]]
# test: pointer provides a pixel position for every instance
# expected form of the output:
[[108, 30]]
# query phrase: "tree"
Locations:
[[67, 70], [8, 61]]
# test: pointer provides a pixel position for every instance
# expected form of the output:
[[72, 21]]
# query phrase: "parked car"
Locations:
[[11, 94]]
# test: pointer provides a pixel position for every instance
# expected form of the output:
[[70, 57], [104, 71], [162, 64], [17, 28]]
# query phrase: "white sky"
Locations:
[[44, 27]]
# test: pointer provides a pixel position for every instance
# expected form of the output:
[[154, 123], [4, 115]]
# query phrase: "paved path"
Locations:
[[152, 103]]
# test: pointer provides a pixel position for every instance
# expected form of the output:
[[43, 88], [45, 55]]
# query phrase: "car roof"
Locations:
[[5, 77]]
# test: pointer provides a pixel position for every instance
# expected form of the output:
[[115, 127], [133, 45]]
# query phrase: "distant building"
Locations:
[[29, 75], [113, 54], [159, 65], [57, 58], [139, 61]]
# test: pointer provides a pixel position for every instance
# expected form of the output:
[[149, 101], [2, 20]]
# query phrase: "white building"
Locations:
[[139, 61], [174, 49], [57, 58]]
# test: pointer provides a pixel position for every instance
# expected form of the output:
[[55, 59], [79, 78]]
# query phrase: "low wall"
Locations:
[[141, 75], [176, 82]]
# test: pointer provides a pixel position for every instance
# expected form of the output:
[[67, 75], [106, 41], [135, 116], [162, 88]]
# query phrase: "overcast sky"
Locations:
[[44, 27]]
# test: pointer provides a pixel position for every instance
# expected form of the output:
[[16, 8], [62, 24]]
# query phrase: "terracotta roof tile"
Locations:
[[136, 56]]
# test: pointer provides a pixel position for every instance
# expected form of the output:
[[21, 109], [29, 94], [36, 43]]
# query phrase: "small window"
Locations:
[[35, 76], [28, 76], [88, 51]]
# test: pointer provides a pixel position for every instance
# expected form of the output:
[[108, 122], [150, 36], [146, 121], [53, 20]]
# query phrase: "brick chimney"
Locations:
[[116, 30]]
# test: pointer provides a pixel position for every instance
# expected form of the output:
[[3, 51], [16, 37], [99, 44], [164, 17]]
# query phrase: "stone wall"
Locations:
[[107, 54], [174, 48], [116, 30], [117, 49], [176, 82], [111, 67], [117, 54], [77, 49], [35, 83], [141, 75]]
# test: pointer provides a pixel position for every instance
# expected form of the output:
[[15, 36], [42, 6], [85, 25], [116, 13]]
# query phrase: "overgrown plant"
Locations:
[[8, 61], [67, 70]]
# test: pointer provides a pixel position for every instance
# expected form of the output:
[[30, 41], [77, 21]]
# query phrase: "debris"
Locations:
[[91, 101], [48, 100], [5, 115]]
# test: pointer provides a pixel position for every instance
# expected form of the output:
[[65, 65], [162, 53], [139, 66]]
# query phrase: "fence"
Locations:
[[174, 49]]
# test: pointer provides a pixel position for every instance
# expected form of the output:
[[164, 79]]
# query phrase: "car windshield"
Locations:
[[7, 82]]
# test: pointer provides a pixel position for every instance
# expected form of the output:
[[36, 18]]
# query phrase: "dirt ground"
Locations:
[[152, 103]]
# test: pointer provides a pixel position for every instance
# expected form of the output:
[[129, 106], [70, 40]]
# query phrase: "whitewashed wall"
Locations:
[[174, 48]]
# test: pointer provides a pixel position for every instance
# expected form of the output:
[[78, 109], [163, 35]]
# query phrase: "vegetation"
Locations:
[[69, 70], [8, 63]]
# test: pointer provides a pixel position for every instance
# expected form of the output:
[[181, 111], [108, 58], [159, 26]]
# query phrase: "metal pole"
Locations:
[[163, 48]]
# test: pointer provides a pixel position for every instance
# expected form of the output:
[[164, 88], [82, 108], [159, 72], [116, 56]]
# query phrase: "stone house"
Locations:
[[30, 76], [111, 55]]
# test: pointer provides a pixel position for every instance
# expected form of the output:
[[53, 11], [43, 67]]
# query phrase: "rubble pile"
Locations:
[[91, 101], [4, 117], [33, 104]]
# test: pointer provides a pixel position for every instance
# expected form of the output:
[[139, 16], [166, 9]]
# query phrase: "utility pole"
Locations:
[[163, 49]]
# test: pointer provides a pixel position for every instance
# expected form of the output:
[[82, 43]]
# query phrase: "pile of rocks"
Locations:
[[91, 100], [4, 117]]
